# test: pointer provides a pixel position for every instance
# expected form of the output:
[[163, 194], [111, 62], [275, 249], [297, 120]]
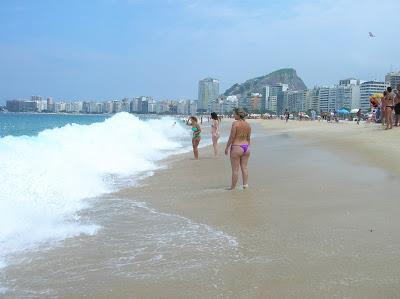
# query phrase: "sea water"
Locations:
[[47, 175], [54, 170]]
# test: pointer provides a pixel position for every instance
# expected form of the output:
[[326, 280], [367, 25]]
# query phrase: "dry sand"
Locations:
[[365, 143], [315, 223]]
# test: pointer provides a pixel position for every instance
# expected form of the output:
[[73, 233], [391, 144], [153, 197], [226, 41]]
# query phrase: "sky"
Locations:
[[110, 49]]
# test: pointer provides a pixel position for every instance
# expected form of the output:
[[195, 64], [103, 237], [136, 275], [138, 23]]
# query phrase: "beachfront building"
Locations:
[[208, 91], [216, 105], [193, 107], [50, 104], [295, 100], [393, 79], [311, 101], [255, 102], [183, 107], [108, 107], [14, 106], [367, 89], [151, 105], [125, 105], [348, 94], [324, 97], [162, 107], [276, 98], [264, 99], [229, 103]]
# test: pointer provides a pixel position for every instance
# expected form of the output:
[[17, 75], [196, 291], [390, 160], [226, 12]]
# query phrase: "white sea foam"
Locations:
[[44, 179]]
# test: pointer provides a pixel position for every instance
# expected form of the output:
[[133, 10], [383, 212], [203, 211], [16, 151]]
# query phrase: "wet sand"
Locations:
[[315, 223]]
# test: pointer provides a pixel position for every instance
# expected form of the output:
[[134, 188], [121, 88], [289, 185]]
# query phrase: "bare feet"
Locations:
[[246, 186]]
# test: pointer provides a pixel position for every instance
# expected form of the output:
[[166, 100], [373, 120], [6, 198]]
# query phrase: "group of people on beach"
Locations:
[[390, 107], [237, 146]]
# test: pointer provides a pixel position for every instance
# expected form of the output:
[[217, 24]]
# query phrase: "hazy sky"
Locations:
[[83, 49]]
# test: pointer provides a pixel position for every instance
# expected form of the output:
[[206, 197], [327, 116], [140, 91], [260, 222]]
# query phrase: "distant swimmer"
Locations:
[[370, 34], [196, 137], [238, 146], [215, 131]]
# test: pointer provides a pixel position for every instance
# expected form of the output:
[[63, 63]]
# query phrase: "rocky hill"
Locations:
[[287, 76]]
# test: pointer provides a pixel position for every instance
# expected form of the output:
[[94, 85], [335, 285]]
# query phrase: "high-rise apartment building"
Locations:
[[264, 99], [276, 99], [295, 100], [312, 102], [367, 89], [208, 91], [393, 79]]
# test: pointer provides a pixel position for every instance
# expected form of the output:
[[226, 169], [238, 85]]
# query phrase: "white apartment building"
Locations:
[[367, 89]]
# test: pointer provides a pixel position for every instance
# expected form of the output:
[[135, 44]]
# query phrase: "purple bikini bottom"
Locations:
[[244, 147]]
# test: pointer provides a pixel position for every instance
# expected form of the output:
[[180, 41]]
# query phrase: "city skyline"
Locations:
[[117, 48]]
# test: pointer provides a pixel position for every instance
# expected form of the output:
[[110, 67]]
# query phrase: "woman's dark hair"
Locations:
[[214, 116], [194, 118], [239, 111]]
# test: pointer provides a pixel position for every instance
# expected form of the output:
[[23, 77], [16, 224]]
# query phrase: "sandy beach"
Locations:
[[317, 222], [320, 220]]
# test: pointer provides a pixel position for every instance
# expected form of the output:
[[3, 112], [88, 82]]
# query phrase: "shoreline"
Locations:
[[285, 228], [313, 224]]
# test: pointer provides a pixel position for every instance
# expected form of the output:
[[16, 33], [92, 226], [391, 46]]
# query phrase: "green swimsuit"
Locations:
[[195, 135]]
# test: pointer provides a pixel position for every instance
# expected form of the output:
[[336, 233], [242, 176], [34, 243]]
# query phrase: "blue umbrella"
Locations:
[[343, 111]]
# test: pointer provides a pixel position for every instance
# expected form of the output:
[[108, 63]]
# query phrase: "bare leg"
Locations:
[[235, 163], [245, 172], [388, 118], [195, 143], [215, 144]]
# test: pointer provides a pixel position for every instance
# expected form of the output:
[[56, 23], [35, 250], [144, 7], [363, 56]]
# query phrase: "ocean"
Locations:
[[55, 174]]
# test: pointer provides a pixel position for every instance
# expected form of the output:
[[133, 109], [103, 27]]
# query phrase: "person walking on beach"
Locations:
[[358, 116], [215, 131], [196, 137], [238, 146], [287, 114]]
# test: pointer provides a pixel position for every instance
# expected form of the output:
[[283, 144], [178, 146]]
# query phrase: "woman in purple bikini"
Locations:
[[238, 143]]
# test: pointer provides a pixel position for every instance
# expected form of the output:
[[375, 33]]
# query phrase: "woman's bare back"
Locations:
[[243, 132]]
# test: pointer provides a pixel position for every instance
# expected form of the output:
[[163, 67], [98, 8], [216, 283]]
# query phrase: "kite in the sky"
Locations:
[[371, 34]]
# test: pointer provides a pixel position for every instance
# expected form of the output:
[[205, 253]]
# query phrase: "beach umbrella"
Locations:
[[343, 111]]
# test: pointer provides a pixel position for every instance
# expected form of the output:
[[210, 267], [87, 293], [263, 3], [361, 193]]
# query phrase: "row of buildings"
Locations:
[[349, 93], [136, 105]]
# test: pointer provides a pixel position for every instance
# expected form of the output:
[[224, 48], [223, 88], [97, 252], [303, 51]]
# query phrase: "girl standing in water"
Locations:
[[239, 142], [196, 137], [215, 131]]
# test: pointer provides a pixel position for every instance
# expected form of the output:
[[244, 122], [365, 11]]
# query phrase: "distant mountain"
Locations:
[[286, 76]]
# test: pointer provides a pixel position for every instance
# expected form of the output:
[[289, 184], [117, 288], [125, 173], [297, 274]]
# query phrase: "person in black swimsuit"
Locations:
[[397, 106]]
